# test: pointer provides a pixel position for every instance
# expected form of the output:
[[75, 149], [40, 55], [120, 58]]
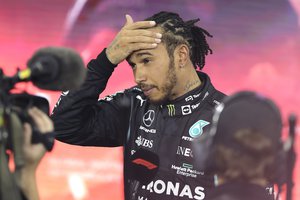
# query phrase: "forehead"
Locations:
[[151, 52], [159, 51]]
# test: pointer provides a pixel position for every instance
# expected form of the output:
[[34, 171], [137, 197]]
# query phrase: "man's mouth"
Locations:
[[147, 89]]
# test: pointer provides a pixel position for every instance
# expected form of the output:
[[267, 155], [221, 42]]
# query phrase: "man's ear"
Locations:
[[182, 54]]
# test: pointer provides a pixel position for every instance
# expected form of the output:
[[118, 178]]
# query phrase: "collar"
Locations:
[[186, 104]]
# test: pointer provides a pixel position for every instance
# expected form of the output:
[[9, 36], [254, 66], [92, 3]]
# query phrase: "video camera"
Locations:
[[50, 68]]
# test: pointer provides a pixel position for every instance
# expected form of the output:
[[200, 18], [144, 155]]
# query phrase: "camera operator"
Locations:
[[28, 133], [33, 153]]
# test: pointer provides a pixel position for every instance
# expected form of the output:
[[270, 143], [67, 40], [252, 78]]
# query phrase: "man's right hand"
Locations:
[[132, 37]]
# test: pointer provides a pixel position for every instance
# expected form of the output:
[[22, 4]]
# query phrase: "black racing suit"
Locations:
[[128, 119]]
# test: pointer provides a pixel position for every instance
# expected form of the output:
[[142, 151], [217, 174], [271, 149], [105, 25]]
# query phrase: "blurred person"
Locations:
[[33, 154], [171, 105], [245, 148]]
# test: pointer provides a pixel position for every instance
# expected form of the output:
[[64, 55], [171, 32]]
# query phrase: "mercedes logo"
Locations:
[[149, 117]]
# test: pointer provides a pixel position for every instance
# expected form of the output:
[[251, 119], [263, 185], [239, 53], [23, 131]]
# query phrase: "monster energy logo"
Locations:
[[171, 109]]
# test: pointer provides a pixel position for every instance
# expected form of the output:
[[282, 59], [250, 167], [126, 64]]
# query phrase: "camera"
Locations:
[[50, 68]]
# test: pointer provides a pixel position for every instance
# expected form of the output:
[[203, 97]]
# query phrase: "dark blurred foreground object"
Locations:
[[245, 150]]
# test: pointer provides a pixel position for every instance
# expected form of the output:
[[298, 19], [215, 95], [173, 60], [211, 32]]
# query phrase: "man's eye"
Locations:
[[146, 60]]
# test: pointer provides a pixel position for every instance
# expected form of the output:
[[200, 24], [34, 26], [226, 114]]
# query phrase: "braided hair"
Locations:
[[176, 32]]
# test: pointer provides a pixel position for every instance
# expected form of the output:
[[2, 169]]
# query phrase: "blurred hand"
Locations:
[[33, 153], [132, 37]]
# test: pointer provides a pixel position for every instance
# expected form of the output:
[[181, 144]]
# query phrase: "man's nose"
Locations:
[[140, 74]]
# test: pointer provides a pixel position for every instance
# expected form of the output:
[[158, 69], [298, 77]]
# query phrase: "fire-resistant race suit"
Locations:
[[128, 119]]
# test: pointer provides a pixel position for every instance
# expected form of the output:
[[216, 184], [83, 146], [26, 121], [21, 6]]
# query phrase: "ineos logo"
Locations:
[[149, 117]]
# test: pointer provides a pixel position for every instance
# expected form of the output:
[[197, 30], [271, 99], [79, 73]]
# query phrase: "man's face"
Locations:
[[154, 72]]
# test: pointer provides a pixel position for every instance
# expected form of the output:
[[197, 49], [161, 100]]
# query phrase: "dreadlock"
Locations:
[[177, 32]]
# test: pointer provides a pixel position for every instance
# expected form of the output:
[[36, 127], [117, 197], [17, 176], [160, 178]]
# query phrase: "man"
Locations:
[[171, 105], [245, 148]]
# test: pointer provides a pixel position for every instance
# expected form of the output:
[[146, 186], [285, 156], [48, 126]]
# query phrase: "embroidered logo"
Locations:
[[186, 109], [171, 109], [197, 129], [141, 100], [149, 117], [140, 141]]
